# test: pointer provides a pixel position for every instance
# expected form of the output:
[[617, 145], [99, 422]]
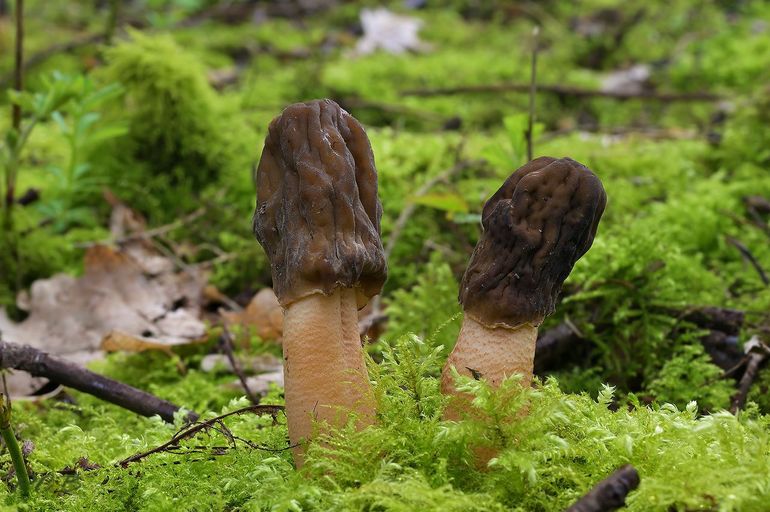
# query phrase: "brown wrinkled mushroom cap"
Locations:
[[318, 214], [540, 222]]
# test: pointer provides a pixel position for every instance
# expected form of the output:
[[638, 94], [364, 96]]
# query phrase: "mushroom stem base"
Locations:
[[488, 353], [324, 370]]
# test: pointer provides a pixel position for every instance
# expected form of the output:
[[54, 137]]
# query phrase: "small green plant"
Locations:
[[78, 122], [57, 91], [513, 154]]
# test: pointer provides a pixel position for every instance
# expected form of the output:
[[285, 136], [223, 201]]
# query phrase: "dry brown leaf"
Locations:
[[117, 341], [118, 291], [263, 315]]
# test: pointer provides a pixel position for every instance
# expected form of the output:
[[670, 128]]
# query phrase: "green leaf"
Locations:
[[449, 202]]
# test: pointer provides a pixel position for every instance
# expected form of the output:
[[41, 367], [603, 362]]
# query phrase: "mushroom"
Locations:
[[536, 226], [318, 219]]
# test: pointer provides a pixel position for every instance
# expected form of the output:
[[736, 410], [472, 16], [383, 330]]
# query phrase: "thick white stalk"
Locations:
[[491, 354], [324, 370]]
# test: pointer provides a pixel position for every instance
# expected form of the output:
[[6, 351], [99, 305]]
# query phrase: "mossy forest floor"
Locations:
[[170, 115]]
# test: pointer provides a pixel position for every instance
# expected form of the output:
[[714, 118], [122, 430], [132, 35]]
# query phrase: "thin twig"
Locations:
[[409, 209], [149, 233], [532, 93], [192, 430], [55, 49], [757, 353], [565, 90], [406, 214], [609, 494], [112, 20], [748, 256], [756, 221], [227, 346], [18, 65]]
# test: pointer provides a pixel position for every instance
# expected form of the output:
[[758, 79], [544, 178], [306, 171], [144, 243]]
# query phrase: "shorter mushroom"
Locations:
[[318, 219], [536, 226]]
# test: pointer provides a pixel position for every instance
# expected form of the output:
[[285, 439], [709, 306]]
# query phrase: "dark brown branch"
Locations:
[[555, 345], [192, 430], [40, 364], [565, 90], [757, 203], [610, 493]]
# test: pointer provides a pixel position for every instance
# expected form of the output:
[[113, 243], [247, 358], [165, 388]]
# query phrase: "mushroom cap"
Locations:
[[318, 213], [536, 226]]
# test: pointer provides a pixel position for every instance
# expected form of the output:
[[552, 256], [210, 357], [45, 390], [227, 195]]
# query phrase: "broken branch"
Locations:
[[610, 493], [758, 353], [40, 364]]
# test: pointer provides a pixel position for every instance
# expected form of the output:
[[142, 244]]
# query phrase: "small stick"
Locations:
[[273, 410], [748, 256], [406, 214], [532, 93], [609, 494], [227, 347], [112, 20], [757, 353], [40, 364], [565, 90]]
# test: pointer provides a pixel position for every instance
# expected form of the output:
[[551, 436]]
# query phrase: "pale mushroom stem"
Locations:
[[488, 353], [324, 369]]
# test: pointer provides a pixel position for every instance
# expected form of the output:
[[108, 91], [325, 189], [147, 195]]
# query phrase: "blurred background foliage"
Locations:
[[171, 113]]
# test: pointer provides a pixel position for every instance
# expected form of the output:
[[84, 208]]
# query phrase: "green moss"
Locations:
[[690, 375], [430, 308], [410, 459], [176, 126]]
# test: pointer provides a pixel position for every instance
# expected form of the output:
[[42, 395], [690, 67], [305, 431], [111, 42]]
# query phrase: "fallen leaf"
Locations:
[[69, 316], [263, 316]]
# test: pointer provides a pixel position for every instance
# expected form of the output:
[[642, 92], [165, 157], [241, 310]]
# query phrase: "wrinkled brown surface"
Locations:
[[318, 214], [540, 222]]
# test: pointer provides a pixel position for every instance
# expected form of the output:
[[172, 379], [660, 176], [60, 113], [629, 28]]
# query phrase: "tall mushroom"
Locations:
[[318, 219], [536, 226]]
